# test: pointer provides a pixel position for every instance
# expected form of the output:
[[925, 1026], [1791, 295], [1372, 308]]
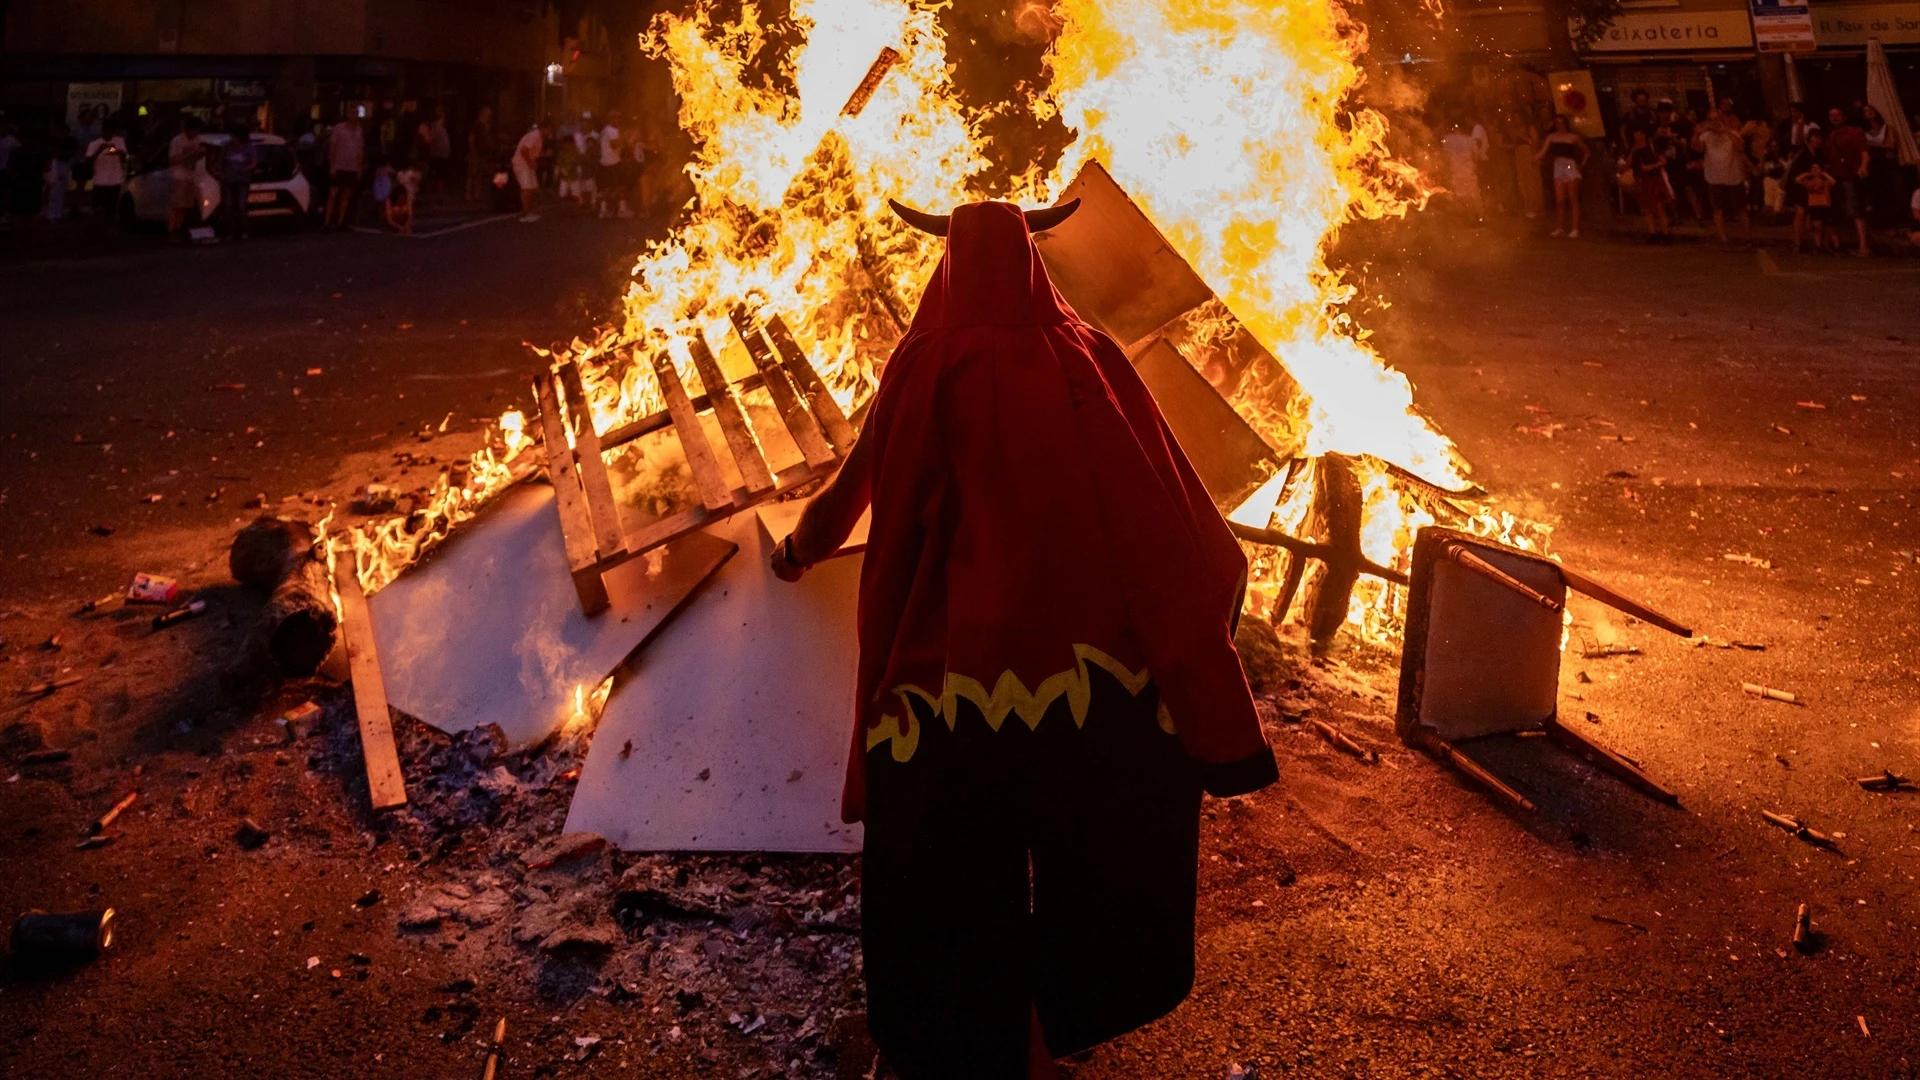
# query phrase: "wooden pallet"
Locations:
[[596, 538]]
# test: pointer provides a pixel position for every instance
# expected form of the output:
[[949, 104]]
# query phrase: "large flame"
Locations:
[[1232, 122], [1232, 125]]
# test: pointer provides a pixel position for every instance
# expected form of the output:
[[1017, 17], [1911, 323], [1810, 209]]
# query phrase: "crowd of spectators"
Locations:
[[1833, 178], [376, 164]]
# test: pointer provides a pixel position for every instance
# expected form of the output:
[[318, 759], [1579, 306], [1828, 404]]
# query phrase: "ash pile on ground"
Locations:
[[748, 961]]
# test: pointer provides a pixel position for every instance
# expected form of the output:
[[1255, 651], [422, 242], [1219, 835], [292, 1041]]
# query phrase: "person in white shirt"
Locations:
[[1724, 167], [107, 157], [1463, 171], [346, 160], [617, 168], [526, 167], [185, 157]]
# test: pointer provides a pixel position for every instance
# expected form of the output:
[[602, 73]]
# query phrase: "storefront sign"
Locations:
[[241, 90], [1782, 26], [1672, 31], [103, 96], [1853, 24]]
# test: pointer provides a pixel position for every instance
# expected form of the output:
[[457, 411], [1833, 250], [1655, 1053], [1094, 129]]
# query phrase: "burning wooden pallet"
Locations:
[[597, 539]]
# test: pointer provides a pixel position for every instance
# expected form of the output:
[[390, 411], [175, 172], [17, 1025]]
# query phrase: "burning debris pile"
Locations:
[[1235, 209], [753, 335]]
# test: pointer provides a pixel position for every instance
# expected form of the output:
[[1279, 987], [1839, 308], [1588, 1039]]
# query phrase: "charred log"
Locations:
[[297, 626]]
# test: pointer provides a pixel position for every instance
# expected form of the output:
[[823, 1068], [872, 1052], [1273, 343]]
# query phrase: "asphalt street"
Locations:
[[1727, 437], [206, 376]]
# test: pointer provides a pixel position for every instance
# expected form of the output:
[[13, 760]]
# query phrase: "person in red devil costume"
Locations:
[[1047, 679]]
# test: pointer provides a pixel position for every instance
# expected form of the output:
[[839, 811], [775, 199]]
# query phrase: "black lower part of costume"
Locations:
[[1049, 868]]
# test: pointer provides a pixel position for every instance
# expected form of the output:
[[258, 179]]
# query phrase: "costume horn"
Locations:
[[937, 224]]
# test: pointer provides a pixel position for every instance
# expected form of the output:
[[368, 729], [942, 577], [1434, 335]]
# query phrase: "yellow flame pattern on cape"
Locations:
[[1009, 695]]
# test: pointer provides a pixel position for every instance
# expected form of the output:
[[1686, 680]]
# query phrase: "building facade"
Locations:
[[1509, 58], [283, 63]]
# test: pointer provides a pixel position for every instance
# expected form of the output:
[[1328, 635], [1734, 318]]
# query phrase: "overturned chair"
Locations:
[[1482, 654]]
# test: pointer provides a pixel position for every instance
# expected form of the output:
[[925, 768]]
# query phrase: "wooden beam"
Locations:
[[800, 423], [1582, 583], [576, 529], [801, 369], [647, 425], [693, 438], [385, 785], [1608, 761], [746, 452], [666, 529], [602, 510]]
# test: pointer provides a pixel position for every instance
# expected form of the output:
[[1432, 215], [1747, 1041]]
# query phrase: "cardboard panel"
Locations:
[[780, 518], [1491, 659], [1231, 459], [488, 629], [1113, 265], [732, 734]]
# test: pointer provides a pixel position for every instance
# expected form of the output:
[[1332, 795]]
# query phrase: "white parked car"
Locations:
[[279, 189]]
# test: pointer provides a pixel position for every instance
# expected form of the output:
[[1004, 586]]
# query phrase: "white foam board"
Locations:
[[488, 629], [732, 733]]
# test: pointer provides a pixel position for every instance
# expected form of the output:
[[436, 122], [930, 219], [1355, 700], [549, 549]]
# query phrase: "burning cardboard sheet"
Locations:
[[732, 734], [489, 631]]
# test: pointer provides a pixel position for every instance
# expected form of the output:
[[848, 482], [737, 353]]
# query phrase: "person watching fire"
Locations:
[[1047, 680]]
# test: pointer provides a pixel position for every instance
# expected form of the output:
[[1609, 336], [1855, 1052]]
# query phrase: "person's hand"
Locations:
[[783, 564]]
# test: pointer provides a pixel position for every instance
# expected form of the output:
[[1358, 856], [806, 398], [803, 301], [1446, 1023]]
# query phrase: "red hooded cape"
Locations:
[[1033, 517]]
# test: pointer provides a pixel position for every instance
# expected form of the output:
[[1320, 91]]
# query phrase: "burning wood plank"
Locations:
[[819, 398], [385, 785], [800, 423], [575, 527], [579, 470], [693, 438], [602, 511], [733, 423]]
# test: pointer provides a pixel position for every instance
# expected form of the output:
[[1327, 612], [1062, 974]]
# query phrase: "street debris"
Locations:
[[1750, 560], [494, 1047], [107, 819], [105, 605], [1341, 741], [153, 589], [375, 499], [1705, 641], [1601, 652], [297, 627], [1611, 921], [300, 721], [46, 757], [43, 689], [1862, 1021], [1801, 830], [250, 836], [1769, 693], [179, 614], [565, 848], [1806, 940], [1888, 780], [61, 938]]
